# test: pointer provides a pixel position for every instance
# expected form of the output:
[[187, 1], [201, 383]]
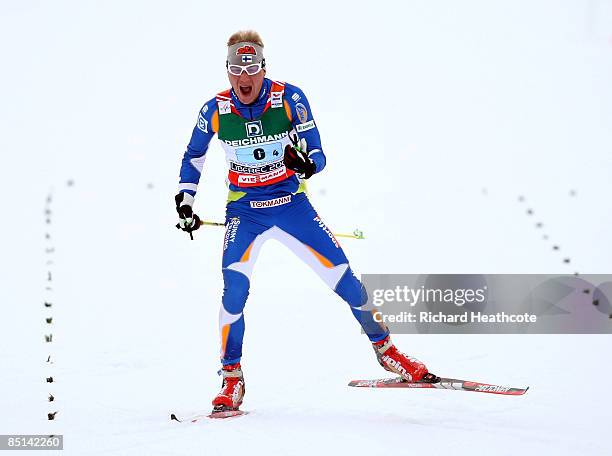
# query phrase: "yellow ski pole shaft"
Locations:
[[209, 223], [357, 234]]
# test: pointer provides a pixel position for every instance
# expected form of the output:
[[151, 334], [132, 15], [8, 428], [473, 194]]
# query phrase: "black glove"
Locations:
[[296, 158], [188, 221]]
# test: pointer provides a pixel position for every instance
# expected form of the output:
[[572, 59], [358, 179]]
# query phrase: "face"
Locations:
[[247, 87]]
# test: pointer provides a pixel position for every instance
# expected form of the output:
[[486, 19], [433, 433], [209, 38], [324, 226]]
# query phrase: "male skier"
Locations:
[[272, 145]]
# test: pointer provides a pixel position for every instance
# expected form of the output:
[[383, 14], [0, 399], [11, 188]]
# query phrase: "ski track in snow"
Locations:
[[136, 303]]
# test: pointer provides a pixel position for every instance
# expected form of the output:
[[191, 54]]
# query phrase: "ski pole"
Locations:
[[356, 234], [206, 222]]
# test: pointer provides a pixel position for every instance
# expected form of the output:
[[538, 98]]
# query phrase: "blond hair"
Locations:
[[245, 35]]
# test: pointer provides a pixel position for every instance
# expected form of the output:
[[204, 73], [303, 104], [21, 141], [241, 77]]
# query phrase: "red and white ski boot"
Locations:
[[393, 360], [232, 390]]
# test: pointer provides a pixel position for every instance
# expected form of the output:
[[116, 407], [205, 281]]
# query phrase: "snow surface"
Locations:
[[436, 117]]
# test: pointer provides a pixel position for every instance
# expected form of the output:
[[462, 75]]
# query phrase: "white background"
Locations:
[[435, 118]]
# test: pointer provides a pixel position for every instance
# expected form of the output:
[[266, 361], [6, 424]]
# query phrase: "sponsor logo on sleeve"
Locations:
[[296, 97], [305, 126], [205, 109], [254, 128], [302, 112], [202, 123]]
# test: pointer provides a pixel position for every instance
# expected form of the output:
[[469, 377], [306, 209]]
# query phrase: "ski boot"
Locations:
[[393, 360], [232, 390]]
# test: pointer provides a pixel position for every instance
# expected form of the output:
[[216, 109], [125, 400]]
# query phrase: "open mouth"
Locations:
[[245, 90]]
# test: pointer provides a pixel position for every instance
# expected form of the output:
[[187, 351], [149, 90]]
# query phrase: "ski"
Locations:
[[213, 415], [443, 383]]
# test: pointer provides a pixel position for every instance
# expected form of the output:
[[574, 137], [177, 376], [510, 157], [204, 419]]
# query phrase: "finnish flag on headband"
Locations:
[[247, 58]]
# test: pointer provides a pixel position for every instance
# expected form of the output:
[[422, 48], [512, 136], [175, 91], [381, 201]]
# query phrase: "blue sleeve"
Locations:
[[193, 159], [304, 124]]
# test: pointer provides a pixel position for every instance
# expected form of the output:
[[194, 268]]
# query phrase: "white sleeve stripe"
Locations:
[[314, 151], [187, 199], [192, 187], [198, 163]]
